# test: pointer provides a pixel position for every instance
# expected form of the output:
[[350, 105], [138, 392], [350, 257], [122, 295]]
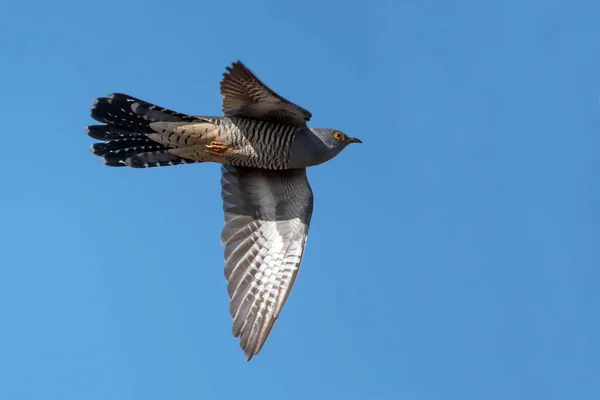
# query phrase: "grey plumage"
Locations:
[[267, 214], [264, 145]]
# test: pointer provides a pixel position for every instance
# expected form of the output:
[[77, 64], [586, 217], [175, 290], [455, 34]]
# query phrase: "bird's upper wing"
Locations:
[[244, 95], [267, 215]]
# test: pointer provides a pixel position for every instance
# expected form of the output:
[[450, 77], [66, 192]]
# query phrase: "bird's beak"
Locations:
[[355, 140]]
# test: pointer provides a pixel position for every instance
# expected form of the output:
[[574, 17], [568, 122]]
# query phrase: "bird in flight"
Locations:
[[264, 146]]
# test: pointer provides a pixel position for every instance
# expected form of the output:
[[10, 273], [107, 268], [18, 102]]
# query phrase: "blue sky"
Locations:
[[453, 255]]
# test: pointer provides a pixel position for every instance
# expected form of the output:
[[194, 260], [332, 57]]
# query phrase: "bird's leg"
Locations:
[[216, 148]]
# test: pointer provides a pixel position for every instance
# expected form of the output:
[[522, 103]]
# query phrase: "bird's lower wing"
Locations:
[[267, 215]]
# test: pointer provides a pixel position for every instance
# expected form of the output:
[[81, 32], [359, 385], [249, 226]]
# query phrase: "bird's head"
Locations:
[[318, 145], [334, 139]]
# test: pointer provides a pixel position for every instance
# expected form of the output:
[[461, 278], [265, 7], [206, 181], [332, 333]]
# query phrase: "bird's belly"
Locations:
[[247, 155], [246, 143], [224, 149]]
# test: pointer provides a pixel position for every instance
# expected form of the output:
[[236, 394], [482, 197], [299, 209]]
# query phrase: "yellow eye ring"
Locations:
[[338, 135]]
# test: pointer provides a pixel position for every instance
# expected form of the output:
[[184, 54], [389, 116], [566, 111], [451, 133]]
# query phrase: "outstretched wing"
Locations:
[[244, 95], [267, 215]]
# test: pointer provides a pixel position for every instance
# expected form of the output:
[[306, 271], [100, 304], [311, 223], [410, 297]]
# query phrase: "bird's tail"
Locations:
[[125, 135]]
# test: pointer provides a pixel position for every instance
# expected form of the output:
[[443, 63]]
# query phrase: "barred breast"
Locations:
[[256, 143]]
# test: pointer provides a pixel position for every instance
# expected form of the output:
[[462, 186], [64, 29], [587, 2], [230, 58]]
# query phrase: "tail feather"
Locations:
[[128, 112], [123, 153], [156, 159], [115, 146], [125, 136], [111, 132]]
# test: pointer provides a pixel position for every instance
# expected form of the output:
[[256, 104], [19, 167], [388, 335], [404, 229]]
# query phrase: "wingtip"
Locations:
[[236, 63]]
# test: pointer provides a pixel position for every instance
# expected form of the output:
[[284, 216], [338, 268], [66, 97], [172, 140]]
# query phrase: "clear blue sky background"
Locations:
[[454, 255]]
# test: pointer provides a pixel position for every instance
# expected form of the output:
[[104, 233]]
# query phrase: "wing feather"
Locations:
[[267, 215], [244, 95]]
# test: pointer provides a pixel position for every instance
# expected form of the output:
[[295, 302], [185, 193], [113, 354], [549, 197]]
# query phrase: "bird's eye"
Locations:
[[338, 135]]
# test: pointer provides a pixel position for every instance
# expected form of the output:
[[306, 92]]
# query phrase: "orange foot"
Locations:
[[216, 148]]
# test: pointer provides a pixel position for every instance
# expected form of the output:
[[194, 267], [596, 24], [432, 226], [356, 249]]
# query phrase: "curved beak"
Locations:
[[355, 140]]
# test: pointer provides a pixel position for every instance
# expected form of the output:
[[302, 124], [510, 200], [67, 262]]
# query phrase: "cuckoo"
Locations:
[[264, 146]]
